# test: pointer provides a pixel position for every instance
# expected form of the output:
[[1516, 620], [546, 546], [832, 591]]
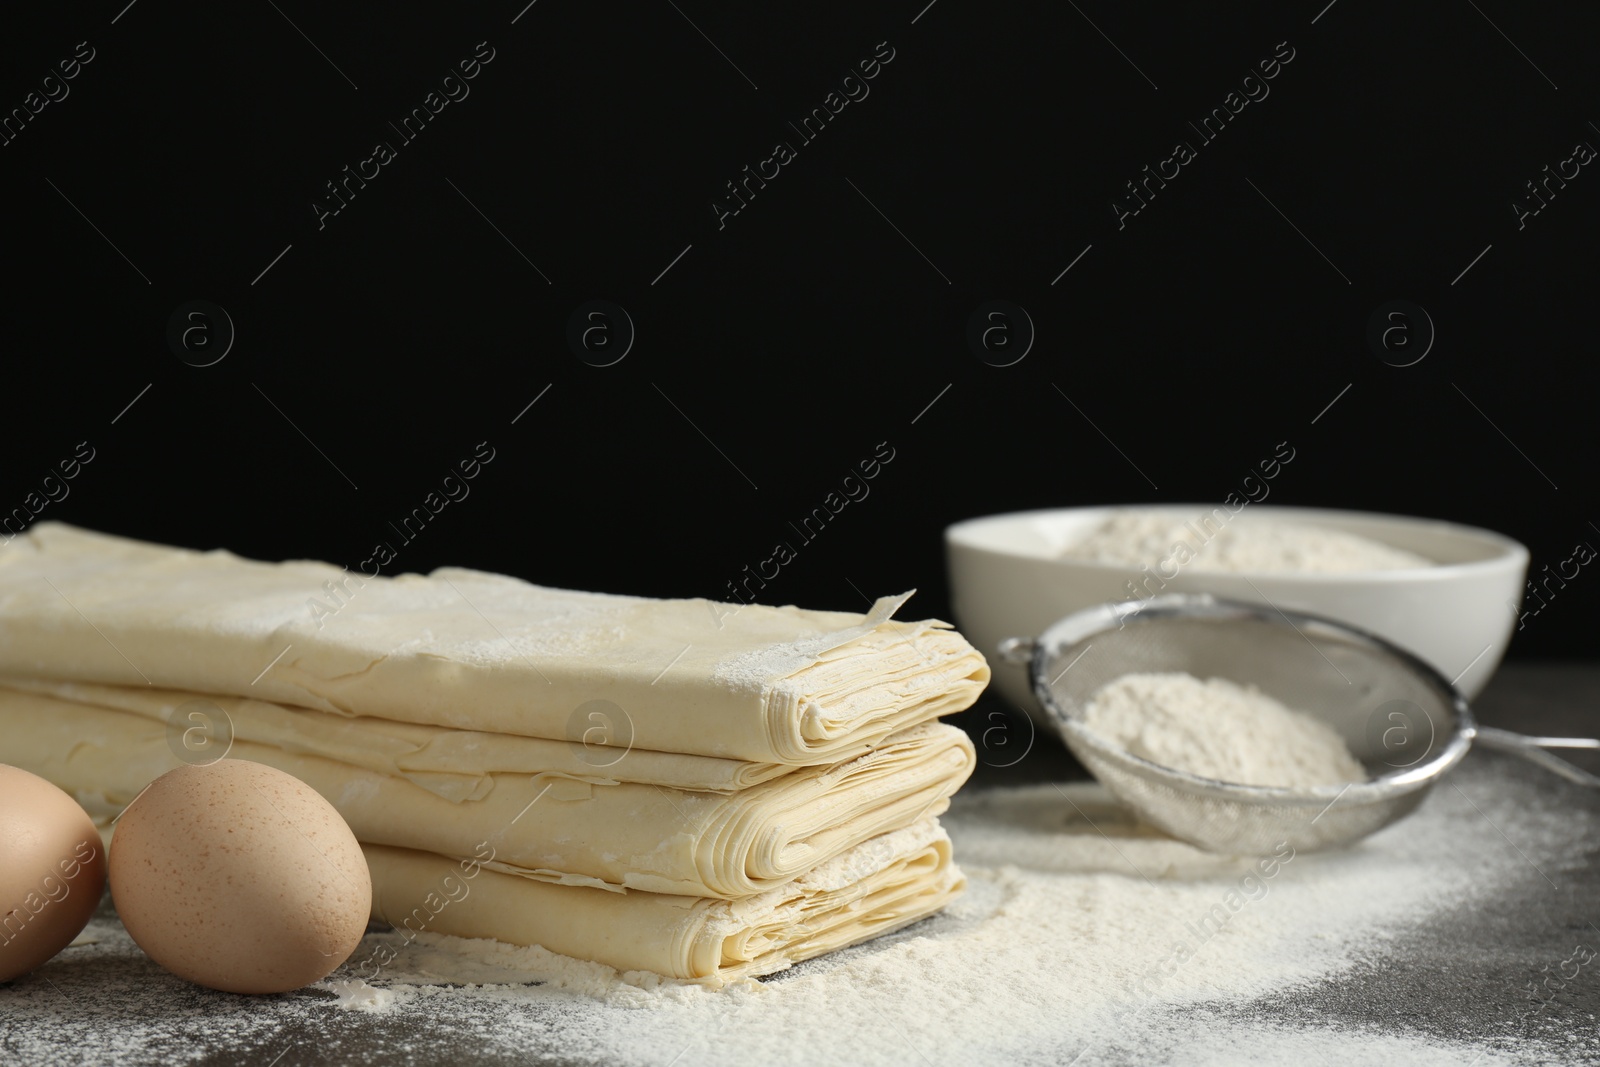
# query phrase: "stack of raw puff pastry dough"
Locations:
[[702, 790]]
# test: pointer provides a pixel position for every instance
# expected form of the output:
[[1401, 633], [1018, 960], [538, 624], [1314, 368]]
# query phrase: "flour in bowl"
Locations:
[[1215, 542], [1219, 729]]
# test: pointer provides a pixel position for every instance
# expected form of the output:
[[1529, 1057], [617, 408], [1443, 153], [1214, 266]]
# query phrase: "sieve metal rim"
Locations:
[[1081, 625]]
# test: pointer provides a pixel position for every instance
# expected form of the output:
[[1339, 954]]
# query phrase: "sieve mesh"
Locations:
[[1403, 721]]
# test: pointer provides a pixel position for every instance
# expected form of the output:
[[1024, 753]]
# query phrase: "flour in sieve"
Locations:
[[1219, 729]]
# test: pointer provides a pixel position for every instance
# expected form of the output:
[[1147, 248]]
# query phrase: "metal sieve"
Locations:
[[1399, 716]]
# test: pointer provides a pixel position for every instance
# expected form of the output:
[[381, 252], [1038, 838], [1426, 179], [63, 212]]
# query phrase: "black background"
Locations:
[[824, 318]]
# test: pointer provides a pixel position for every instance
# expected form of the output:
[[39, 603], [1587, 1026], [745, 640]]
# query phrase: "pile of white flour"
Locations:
[[1242, 545], [1219, 729]]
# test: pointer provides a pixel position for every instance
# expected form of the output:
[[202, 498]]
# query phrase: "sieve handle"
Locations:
[[1533, 750]]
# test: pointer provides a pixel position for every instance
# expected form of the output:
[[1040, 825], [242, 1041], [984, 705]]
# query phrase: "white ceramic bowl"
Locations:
[[1007, 580]]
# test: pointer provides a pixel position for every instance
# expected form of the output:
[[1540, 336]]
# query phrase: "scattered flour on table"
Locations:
[[1152, 538], [1219, 729], [1084, 934], [357, 995]]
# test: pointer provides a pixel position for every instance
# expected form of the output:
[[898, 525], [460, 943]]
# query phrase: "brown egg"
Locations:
[[239, 877], [52, 869]]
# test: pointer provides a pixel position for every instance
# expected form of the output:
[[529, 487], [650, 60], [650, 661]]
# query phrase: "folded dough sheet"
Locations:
[[880, 885], [478, 652], [104, 744], [455, 764]]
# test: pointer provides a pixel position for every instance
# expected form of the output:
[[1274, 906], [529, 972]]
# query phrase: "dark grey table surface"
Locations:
[[1460, 977]]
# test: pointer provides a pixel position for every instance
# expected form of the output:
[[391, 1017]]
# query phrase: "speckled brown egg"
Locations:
[[239, 877], [52, 869]]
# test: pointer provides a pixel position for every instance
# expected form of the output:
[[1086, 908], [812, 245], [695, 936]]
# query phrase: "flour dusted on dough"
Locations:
[[1151, 538], [1219, 729]]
